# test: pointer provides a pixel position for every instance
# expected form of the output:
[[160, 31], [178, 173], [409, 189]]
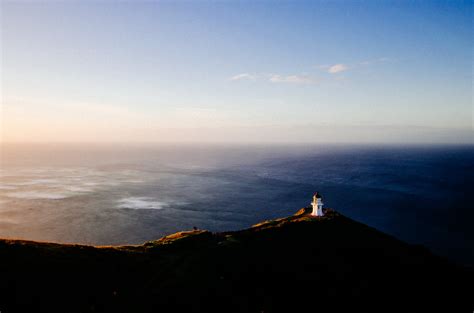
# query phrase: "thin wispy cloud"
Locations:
[[244, 76], [332, 69], [343, 67], [275, 78], [291, 79], [337, 68]]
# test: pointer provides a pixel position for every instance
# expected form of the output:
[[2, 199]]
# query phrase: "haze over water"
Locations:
[[128, 194]]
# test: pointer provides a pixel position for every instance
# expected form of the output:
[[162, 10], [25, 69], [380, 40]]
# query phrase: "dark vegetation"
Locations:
[[294, 264]]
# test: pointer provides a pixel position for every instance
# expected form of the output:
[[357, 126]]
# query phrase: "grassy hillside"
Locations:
[[294, 264]]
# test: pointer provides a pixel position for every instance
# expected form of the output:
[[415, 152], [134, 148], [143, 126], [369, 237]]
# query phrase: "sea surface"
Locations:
[[129, 194]]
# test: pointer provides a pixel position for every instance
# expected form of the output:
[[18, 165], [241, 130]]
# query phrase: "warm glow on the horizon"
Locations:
[[158, 72]]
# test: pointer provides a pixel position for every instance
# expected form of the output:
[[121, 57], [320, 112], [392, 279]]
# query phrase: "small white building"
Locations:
[[317, 205]]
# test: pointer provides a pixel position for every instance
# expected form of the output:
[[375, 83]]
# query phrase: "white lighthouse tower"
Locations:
[[317, 205]]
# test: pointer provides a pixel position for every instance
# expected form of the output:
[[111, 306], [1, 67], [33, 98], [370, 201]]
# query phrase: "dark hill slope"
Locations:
[[294, 264]]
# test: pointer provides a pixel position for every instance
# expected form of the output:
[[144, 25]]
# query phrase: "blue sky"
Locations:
[[229, 71]]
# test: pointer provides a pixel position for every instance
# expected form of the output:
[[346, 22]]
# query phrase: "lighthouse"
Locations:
[[317, 205]]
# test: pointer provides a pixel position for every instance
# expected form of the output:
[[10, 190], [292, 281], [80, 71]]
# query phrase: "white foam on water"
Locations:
[[133, 181], [38, 181], [78, 189], [140, 203], [38, 195], [61, 183]]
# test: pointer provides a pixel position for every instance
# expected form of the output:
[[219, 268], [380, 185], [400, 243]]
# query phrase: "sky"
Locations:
[[236, 71]]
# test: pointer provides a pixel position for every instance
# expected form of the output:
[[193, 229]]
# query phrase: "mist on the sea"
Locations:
[[128, 194]]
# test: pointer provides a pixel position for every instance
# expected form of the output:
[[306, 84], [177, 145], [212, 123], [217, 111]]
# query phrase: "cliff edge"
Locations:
[[295, 264]]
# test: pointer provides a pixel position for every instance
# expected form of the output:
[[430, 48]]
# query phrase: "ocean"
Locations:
[[129, 194]]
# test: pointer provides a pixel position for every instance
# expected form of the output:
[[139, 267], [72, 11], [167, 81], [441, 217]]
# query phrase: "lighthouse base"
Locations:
[[317, 211]]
